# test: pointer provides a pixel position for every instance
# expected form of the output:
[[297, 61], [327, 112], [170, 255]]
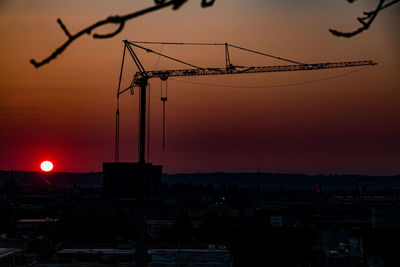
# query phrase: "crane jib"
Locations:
[[164, 74]]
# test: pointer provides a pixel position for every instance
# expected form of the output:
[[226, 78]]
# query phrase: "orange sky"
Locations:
[[65, 110]]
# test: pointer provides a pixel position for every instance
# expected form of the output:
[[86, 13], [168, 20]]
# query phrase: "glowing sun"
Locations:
[[46, 166]]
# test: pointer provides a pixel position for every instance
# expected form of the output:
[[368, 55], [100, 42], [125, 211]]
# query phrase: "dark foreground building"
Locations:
[[120, 179]]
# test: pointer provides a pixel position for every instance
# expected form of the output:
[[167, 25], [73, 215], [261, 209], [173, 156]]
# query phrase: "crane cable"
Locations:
[[174, 43], [160, 54], [264, 54], [116, 151], [272, 86], [212, 44], [138, 128], [159, 57], [164, 98], [148, 126]]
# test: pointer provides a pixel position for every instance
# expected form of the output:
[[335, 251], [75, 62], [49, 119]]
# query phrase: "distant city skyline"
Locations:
[[65, 111]]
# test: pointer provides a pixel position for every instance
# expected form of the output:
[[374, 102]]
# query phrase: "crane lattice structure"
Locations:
[[141, 78]]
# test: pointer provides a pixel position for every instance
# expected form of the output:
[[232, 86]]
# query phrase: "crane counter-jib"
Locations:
[[164, 74]]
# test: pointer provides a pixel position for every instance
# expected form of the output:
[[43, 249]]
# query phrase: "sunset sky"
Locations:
[[65, 111]]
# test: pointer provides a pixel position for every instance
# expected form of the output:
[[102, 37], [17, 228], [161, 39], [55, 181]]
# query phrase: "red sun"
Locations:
[[46, 166]]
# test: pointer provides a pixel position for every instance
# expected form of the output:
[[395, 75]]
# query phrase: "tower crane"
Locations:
[[141, 78]]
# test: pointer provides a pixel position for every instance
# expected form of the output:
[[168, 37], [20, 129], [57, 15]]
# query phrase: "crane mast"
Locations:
[[141, 78]]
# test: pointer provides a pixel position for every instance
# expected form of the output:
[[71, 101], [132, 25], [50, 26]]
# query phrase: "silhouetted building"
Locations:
[[213, 256], [120, 179]]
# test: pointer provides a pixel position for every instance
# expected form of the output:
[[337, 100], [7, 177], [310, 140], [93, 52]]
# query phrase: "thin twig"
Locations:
[[119, 20], [365, 21]]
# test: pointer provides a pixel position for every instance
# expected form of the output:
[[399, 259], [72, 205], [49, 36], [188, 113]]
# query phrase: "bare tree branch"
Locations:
[[119, 20], [207, 3], [366, 20]]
